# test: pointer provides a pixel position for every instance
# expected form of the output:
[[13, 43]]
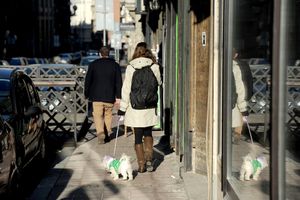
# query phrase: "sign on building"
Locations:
[[127, 26]]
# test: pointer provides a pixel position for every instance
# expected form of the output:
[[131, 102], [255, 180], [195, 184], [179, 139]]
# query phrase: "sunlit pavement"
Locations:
[[78, 174]]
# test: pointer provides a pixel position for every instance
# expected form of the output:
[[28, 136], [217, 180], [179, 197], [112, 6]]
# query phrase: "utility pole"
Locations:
[[104, 24]]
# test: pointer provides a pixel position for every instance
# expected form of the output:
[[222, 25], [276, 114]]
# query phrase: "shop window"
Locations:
[[292, 133], [249, 146], [251, 41]]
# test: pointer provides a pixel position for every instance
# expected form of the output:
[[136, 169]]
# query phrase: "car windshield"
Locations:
[[15, 62], [87, 61], [32, 61], [5, 101]]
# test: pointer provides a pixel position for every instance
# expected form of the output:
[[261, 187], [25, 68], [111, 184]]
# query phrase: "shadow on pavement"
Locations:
[[94, 191], [160, 150], [62, 178], [163, 146]]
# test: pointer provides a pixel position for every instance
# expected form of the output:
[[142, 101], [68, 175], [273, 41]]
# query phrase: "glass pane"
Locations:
[[292, 153], [5, 101], [252, 25]]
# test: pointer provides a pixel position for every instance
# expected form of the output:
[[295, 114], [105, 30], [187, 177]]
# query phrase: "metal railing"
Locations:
[[61, 90], [260, 102]]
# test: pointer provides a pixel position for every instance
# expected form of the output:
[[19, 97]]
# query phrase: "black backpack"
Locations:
[[144, 88]]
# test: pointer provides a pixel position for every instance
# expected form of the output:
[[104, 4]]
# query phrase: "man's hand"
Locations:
[[117, 103]]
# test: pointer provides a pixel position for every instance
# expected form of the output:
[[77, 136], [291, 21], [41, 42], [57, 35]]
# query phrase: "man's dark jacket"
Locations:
[[103, 81]]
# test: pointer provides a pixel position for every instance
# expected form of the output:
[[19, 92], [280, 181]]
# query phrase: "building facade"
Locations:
[[82, 24], [197, 41], [34, 28]]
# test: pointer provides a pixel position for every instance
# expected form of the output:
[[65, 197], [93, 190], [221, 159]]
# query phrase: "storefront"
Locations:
[[199, 42], [266, 34]]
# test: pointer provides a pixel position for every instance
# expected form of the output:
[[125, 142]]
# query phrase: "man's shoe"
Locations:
[[101, 139], [236, 139], [107, 138]]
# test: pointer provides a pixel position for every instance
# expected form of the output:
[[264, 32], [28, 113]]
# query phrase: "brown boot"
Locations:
[[140, 157], [148, 144]]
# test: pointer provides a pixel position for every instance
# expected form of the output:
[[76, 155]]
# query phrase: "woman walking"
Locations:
[[141, 114]]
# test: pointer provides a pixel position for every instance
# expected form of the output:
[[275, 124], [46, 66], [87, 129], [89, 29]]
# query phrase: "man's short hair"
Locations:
[[104, 51]]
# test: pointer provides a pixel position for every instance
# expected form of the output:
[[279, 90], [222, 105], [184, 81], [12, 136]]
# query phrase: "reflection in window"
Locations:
[[5, 101], [24, 99], [250, 98], [292, 150], [32, 93]]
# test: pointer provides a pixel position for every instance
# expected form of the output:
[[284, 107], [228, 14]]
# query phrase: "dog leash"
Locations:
[[117, 134], [246, 120]]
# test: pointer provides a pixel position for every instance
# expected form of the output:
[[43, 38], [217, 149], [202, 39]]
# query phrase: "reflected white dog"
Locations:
[[116, 167], [252, 167]]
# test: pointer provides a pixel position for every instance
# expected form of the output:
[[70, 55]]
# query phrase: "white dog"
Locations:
[[252, 167], [116, 167]]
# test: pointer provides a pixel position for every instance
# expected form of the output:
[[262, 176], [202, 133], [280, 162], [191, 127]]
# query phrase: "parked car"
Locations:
[[43, 60], [85, 61], [18, 61], [8, 168], [92, 53], [32, 61], [76, 57], [65, 58], [4, 62], [20, 107], [258, 61]]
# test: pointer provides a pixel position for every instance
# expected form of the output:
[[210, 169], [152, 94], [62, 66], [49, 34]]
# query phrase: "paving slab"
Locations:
[[79, 175]]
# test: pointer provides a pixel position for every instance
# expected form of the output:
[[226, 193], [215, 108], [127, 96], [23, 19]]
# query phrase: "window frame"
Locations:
[[278, 101]]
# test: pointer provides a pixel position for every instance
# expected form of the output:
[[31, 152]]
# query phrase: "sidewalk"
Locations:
[[78, 175]]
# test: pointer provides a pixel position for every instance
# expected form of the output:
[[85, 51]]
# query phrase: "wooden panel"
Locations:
[[199, 89]]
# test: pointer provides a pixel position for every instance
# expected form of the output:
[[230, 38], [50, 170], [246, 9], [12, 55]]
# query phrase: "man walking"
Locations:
[[103, 84]]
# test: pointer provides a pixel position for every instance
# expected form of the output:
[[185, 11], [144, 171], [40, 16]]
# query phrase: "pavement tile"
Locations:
[[157, 195], [80, 175], [74, 183]]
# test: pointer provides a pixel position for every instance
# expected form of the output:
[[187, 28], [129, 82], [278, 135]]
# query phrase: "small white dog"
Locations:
[[252, 167], [116, 167]]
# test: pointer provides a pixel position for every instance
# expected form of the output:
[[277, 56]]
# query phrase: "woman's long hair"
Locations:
[[142, 51]]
